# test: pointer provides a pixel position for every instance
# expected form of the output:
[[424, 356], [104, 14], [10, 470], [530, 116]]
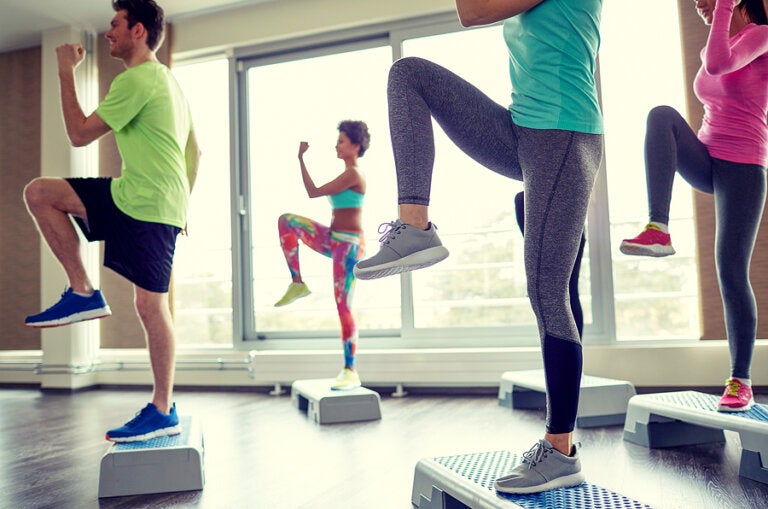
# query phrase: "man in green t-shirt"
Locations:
[[139, 214]]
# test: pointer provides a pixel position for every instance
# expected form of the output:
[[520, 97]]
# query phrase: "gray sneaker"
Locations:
[[403, 248], [543, 468]]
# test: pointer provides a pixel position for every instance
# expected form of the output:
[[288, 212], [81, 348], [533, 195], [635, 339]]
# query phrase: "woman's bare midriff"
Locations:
[[347, 219]]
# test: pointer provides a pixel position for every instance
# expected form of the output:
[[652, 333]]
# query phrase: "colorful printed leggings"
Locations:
[[345, 248]]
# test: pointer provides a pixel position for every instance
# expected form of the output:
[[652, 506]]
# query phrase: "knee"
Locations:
[[661, 115], [35, 193], [734, 281], [151, 306], [404, 68], [284, 221]]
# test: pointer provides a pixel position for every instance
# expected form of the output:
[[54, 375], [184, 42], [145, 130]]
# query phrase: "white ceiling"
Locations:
[[22, 21]]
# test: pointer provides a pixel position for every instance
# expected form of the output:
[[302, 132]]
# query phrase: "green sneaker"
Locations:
[[294, 291], [347, 380], [543, 468]]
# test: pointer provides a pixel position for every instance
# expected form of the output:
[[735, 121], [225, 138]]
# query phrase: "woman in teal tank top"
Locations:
[[342, 241]]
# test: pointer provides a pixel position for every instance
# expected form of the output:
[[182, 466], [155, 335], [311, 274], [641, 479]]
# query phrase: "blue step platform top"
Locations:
[[466, 480], [674, 419]]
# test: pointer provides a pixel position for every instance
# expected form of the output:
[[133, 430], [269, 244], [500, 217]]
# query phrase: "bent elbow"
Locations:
[[468, 19], [77, 141], [713, 69]]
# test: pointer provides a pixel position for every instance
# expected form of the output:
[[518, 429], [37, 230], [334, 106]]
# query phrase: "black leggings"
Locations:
[[739, 189]]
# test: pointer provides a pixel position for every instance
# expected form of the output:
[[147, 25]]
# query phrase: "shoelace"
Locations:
[[389, 230], [136, 419], [651, 226], [535, 454], [733, 386]]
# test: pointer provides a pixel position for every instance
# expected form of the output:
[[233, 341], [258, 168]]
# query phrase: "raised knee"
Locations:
[[661, 114], [284, 221], [405, 66], [34, 192]]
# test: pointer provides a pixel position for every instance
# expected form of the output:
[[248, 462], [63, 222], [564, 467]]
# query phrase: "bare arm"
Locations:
[[81, 130], [347, 179], [485, 12], [192, 157]]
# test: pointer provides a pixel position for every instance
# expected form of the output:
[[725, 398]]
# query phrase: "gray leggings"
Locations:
[[739, 190], [558, 170]]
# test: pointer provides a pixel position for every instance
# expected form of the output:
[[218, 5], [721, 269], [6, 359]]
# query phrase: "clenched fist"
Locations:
[[70, 55]]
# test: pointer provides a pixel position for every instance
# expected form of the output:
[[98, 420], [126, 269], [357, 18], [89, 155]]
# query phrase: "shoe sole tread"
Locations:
[[414, 261]]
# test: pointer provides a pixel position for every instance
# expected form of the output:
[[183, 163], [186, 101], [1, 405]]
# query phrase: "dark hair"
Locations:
[[754, 11], [146, 12], [357, 132]]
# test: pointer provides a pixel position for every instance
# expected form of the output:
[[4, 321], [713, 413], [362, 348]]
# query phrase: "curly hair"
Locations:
[[357, 132], [146, 12]]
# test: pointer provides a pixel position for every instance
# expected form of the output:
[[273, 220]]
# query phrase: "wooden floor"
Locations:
[[262, 452]]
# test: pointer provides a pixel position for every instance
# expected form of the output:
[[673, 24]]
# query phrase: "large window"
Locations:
[[299, 90], [482, 283], [653, 298], [202, 269], [303, 99]]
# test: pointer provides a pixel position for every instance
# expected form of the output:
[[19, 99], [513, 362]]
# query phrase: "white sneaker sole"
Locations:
[[91, 314], [415, 261], [560, 482], [657, 250], [165, 432], [745, 408], [346, 387]]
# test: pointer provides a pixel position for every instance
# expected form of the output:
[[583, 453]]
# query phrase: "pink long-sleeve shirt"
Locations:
[[732, 84]]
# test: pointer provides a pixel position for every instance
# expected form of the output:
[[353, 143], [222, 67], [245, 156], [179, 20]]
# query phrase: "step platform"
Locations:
[[674, 419], [602, 401], [159, 465], [326, 406], [466, 480]]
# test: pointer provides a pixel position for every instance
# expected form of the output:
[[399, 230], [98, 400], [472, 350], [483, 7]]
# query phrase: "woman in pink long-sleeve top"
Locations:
[[728, 159]]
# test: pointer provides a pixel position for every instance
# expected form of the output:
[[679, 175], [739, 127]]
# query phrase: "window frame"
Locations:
[[602, 328]]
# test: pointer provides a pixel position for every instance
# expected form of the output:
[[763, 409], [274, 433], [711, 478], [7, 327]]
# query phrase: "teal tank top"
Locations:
[[347, 199], [552, 54]]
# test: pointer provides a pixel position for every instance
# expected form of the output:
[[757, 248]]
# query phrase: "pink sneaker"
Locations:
[[736, 398], [651, 242]]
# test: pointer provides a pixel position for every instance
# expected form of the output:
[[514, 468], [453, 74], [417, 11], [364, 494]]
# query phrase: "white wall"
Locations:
[[284, 19]]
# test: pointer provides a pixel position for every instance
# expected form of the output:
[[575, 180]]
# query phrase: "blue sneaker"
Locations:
[[148, 423], [71, 308]]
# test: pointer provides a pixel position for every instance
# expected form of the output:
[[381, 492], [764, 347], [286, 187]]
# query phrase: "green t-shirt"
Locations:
[[552, 52], [150, 117]]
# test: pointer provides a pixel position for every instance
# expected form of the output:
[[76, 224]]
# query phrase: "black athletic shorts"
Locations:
[[140, 251]]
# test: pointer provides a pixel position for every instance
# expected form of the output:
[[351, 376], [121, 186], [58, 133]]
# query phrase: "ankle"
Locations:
[[562, 442], [163, 408], [414, 215], [742, 381]]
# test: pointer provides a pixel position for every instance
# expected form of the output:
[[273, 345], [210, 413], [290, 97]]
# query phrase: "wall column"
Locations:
[[69, 352]]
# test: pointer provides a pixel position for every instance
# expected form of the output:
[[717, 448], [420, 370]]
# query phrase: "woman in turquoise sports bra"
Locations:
[[342, 241]]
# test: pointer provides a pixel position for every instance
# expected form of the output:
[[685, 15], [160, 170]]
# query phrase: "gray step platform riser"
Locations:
[[602, 401], [325, 406], [658, 435], [160, 465], [690, 418]]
